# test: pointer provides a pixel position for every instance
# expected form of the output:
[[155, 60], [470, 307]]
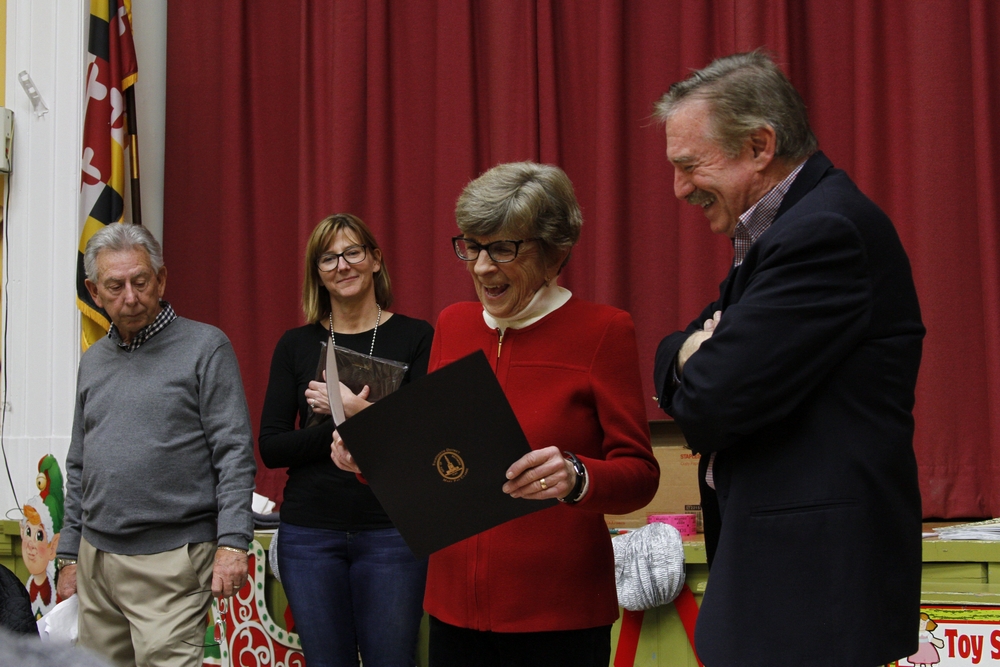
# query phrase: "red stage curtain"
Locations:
[[279, 114]]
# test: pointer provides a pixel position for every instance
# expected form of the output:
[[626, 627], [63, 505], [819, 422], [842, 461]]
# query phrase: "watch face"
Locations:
[[576, 463]]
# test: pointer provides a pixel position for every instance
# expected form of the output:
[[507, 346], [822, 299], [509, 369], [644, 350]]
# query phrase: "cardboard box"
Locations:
[[678, 490]]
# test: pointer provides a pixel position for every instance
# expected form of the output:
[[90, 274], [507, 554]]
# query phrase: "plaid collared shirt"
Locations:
[[758, 218], [165, 317]]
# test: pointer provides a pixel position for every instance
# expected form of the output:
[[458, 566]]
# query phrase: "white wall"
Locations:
[[150, 33], [42, 224]]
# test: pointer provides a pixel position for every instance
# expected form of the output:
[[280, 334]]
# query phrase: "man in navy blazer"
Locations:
[[796, 386]]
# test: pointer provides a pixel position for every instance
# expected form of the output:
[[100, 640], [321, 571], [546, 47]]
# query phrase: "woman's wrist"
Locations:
[[582, 484]]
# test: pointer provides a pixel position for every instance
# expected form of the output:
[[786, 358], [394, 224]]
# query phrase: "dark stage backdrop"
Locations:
[[281, 113]]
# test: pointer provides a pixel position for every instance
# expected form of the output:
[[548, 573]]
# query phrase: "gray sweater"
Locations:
[[162, 449]]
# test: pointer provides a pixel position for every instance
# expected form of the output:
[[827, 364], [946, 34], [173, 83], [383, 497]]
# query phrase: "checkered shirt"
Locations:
[[756, 220], [165, 317]]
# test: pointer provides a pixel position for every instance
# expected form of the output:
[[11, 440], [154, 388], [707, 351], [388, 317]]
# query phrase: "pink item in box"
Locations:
[[684, 523]]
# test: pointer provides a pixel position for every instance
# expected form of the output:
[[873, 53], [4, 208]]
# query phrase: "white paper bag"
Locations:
[[60, 624]]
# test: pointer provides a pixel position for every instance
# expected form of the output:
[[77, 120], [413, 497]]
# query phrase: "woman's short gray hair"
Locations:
[[121, 236], [520, 200], [746, 91]]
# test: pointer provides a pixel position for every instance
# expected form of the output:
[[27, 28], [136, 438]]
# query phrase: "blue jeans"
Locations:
[[350, 592]]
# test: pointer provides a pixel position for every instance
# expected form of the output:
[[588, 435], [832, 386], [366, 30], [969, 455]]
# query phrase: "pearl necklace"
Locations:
[[378, 319]]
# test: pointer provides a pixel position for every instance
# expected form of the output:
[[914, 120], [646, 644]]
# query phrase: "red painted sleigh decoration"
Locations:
[[245, 633]]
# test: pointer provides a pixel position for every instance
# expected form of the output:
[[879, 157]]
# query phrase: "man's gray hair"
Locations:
[[746, 91], [121, 236]]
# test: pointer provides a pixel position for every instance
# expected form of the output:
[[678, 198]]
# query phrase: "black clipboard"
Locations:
[[436, 452]]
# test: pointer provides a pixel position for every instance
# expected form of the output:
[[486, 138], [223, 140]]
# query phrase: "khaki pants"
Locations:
[[149, 610]]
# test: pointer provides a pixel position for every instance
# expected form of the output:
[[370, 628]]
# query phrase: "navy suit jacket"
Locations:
[[805, 393]]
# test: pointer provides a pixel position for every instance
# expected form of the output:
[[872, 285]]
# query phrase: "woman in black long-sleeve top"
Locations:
[[352, 583]]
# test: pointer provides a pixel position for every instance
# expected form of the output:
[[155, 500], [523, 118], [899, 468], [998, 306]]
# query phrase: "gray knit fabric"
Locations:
[[272, 556], [649, 566], [162, 448], [26, 651]]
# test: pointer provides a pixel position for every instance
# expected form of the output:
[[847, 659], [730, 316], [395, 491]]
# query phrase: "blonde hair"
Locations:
[[315, 297]]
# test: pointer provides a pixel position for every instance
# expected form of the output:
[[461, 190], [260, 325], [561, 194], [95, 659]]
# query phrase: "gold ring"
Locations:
[[542, 482]]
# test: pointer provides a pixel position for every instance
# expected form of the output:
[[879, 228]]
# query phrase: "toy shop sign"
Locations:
[[954, 636]]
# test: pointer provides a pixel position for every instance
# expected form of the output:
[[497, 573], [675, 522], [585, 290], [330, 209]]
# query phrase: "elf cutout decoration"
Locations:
[[43, 517]]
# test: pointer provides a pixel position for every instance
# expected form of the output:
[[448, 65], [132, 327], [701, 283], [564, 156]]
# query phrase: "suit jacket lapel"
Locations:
[[727, 288], [812, 172]]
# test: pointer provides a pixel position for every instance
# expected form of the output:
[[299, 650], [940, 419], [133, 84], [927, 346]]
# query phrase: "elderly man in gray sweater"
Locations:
[[160, 470]]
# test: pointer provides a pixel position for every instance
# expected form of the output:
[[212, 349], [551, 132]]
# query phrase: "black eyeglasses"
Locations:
[[499, 251], [353, 254]]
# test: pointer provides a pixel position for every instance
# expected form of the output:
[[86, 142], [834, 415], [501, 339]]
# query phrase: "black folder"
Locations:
[[436, 453]]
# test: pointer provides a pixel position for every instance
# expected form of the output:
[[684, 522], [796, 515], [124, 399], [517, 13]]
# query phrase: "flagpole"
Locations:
[[133, 147]]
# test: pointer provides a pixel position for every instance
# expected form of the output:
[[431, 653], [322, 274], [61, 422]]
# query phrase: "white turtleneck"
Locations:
[[548, 298]]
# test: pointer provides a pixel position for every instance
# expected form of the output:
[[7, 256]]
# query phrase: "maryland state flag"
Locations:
[[111, 70]]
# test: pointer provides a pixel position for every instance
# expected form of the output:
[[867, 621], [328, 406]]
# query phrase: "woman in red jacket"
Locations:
[[540, 590]]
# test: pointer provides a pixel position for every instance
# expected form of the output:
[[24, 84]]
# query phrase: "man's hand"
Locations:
[[67, 582], [695, 340], [229, 572]]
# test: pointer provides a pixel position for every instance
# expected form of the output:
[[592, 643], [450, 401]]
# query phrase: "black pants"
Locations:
[[451, 646]]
